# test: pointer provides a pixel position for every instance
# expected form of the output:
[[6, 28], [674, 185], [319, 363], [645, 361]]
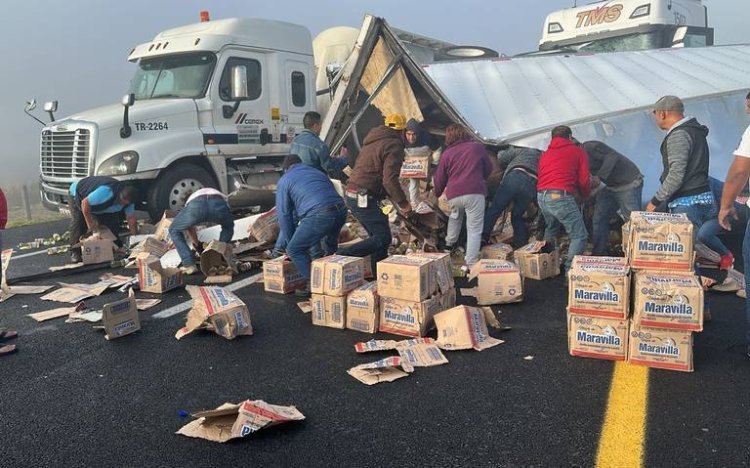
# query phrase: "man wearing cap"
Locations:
[[737, 177], [311, 149], [563, 177], [374, 177]]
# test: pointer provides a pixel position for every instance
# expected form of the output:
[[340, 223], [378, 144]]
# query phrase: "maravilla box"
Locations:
[[537, 260], [660, 241], [660, 348], [672, 301], [281, 276], [406, 277], [336, 275], [408, 318], [328, 311], [499, 282], [599, 289], [363, 308], [598, 338]]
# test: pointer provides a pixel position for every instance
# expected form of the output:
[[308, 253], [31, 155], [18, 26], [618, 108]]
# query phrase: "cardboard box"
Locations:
[[668, 300], [590, 259], [442, 270], [499, 251], [217, 310], [406, 277], [336, 275], [660, 348], [120, 318], [231, 421], [660, 241], [281, 276], [499, 282], [416, 163], [626, 238], [599, 289], [367, 265], [328, 311], [95, 251], [363, 308], [536, 263], [266, 227], [162, 227], [408, 318], [218, 259], [463, 327], [598, 338], [152, 277]]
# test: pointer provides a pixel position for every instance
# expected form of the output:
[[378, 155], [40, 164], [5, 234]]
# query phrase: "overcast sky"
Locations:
[[75, 50]]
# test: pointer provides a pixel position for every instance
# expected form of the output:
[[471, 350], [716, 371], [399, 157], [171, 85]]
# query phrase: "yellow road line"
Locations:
[[624, 429]]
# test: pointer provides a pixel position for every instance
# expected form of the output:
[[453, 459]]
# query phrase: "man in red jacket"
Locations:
[[564, 176]]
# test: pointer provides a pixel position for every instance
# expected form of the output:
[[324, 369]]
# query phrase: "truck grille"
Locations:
[[66, 154]]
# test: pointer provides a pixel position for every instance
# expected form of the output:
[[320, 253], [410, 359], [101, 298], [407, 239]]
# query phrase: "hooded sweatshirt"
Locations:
[[564, 166], [685, 157], [378, 165], [424, 138]]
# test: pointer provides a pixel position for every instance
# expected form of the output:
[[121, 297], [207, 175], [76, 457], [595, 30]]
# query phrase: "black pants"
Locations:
[[113, 221]]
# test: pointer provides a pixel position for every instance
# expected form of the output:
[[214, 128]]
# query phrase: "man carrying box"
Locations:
[[306, 194]]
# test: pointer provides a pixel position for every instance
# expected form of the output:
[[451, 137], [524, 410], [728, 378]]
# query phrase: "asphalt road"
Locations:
[[71, 398]]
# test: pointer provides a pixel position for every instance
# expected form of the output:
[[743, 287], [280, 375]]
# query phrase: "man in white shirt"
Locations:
[[737, 177], [206, 205]]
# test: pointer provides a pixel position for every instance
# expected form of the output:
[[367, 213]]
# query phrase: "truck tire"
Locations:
[[174, 186]]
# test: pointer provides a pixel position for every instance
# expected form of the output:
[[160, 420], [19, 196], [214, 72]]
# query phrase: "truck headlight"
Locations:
[[119, 164]]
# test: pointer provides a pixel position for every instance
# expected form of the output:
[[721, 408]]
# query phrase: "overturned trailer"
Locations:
[[517, 101]]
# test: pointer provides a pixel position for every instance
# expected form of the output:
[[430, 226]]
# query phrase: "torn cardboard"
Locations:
[[599, 289], [498, 282], [53, 313], [120, 318], [231, 421], [664, 300], [597, 337], [537, 261], [660, 241], [217, 259], [384, 370], [4, 262], [281, 276], [363, 308], [75, 293], [266, 227], [145, 304], [161, 231], [218, 310], [463, 327], [661, 349], [305, 307], [153, 277], [328, 311], [336, 275]]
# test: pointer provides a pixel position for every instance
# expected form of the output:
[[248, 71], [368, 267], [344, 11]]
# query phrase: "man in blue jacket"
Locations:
[[307, 195], [311, 149]]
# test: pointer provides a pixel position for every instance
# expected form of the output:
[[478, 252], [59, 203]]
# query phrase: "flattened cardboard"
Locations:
[[660, 241], [151, 245], [499, 282], [231, 421], [52, 314], [499, 251], [384, 370], [218, 256], [420, 354], [535, 264], [664, 300], [75, 293], [598, 338], [218, 310], [406, 277], [281, 276], [463, 327], [154, 278], [661, 349], [336, 275], [145, 304], [408, 318], [120, 318], [328, 311], [363, 308], [266, 227], [599, 289]]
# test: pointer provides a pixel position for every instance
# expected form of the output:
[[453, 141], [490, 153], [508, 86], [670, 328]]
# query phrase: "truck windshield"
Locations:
[[642, 41], [173, 76]]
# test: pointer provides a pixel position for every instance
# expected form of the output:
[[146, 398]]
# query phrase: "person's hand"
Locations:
[[725, 217], [650, 207], [595, 182], [347, 170]]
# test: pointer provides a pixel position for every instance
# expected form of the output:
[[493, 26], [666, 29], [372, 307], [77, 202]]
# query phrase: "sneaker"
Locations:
[[726, 261], [189, 270], [302, 292], [729, 285], [448, 249], [75, 257]]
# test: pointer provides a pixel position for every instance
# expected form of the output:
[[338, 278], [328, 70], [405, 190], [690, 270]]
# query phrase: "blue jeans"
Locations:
[[746, 258], [562, 211], [319, 227], [708, 235], [316, 251], [698, 215], [204, 209], [378, 230], [608, 202], [518, 188]]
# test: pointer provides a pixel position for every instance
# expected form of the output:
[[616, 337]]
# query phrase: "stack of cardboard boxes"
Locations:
[[331, 280], [412, 289], [667, 299]]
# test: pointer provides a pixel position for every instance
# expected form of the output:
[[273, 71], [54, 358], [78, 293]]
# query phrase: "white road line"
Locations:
[[176, 309], [16, 257]]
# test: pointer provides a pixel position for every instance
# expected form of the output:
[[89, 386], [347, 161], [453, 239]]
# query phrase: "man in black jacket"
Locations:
[[622, 190]]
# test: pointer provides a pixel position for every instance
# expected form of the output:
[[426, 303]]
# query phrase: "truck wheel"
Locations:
[[172, 188]]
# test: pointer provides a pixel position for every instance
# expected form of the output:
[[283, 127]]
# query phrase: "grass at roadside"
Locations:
[[39, 214]]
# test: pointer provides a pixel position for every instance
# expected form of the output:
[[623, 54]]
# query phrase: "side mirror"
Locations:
[[127, 101], [30, 105], [239, 82], [50, 107]]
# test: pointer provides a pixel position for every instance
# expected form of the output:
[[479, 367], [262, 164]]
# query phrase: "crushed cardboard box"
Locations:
[[498, 282], [232, 421], [597, 337], [660, 348], [266, 227], [408, 318], [416, 352], [328, 311], [384, 370], [217, 259], [537, 261], [153, 277], [668, 300], [281, 276], [363, 308], [218, 310], [499, 251], [463, 327], [120, 318], [336, 275], [660, 241], [599, 289]]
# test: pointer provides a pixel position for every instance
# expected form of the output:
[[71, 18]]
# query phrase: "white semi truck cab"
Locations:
[[212, 104], [626, 25]]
